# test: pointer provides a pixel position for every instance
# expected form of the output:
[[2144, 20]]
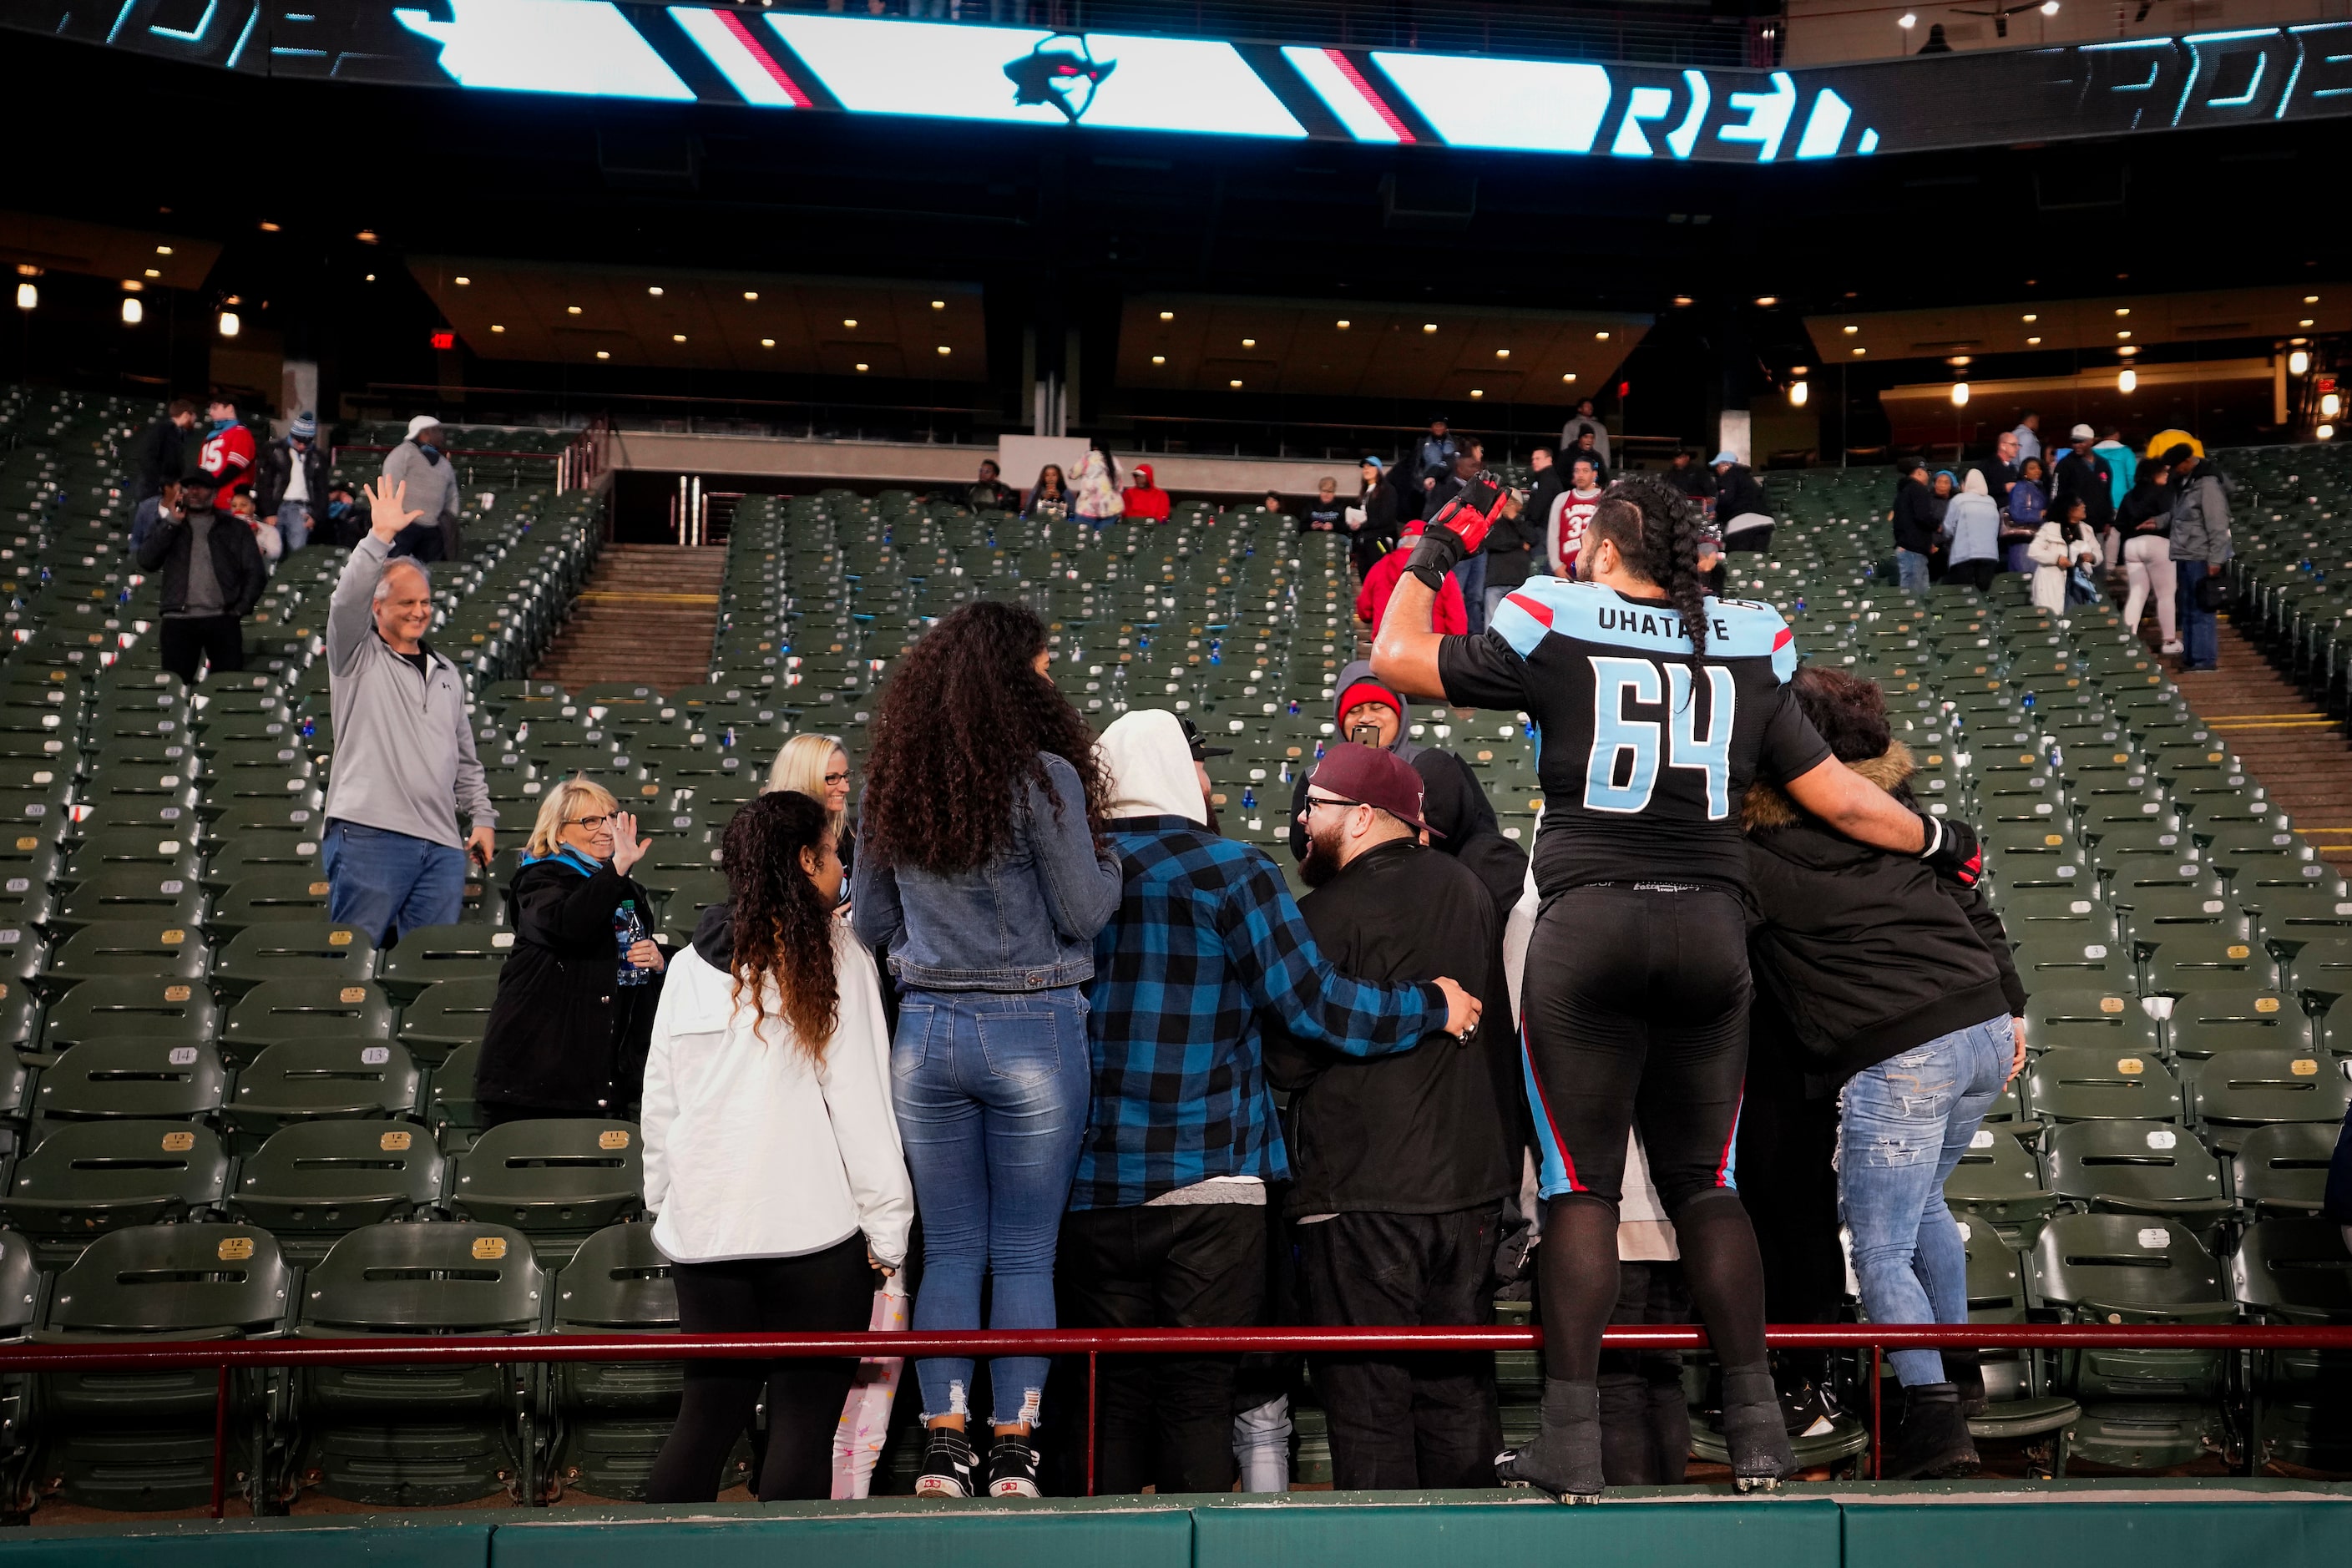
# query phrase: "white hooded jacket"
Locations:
[[1150, 765], [752, 1150]]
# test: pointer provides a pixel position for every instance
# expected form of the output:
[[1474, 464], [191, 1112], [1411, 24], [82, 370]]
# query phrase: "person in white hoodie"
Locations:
[[771, 1149]]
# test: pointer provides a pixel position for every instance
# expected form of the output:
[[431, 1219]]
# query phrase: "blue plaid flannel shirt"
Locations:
[[1206, 934]]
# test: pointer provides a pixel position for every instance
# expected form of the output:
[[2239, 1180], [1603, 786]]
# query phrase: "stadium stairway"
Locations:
[[647, 615]]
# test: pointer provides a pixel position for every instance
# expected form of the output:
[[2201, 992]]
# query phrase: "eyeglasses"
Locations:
[[592, 823], [1315, 800], [840, 778]]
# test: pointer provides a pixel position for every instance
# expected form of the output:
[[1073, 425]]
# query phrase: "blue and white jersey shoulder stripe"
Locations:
[[1587, 612]]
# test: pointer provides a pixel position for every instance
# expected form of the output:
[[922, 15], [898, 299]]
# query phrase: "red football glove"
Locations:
[[1458, 531]]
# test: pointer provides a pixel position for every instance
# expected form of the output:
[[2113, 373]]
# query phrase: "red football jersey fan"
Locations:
[[227, 456]]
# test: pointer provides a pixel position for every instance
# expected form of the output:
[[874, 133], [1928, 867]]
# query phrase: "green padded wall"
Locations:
[[1384, 1531], [385, 1540], [2173, 1533], [896, 1532]]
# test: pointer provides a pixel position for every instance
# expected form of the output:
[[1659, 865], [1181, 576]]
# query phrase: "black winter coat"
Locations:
[[562, 1035], [159, 455], [1428, 1131], [2087, 479], [277, 472], [237, 561], [1866, 954], [1915, 516]]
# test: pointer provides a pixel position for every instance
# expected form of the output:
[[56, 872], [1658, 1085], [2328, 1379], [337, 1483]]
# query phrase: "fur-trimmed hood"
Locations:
[[1768, 807]]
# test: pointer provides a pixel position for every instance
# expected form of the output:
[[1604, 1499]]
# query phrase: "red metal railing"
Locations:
[[162, 1355]]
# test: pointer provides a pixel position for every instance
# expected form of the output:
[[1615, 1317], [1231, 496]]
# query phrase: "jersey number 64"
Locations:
[[1622, 774]]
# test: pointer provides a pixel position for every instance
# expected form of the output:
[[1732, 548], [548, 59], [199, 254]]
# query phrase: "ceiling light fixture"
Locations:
[[1249, 342], [1478, 392], [28, 297], [2128, 380], [1600, 337], [2305, 322], [2031, 317], [939, 304], [1959, 395], [133, 312], [2031, 340], [1850, 331], [571, 309], [850, 322], [603, 353], [1798, 392], [2325, 432], [365, 236], [1235, 384], [229, 324], [861, 367], [268, 227], [1502, 353], [2123, 310], [2297, 362], [461, 282], [767, 343], [751, 296], [1158, 359], [496, 328], [1570, 376], [945, 349], [654, 290], [1682, 298], [1429, 326], [2129, 350], [1766, 301], [677, 337], [1167, 315]]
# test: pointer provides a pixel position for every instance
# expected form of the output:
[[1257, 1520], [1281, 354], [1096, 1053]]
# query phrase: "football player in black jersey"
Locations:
[[1654, 705]]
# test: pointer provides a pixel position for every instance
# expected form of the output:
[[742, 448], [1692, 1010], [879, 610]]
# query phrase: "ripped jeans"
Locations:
[[1903, 1126]]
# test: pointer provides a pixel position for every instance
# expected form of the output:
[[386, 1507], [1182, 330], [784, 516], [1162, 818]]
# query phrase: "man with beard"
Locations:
[[1400, 1163], [1166, 1225]]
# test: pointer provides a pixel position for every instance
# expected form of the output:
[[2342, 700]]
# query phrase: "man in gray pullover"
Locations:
[[404, 763]]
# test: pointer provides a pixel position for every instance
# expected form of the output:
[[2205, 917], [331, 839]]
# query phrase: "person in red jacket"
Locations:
[[1450, 616], [1145, 501], [227, 453]]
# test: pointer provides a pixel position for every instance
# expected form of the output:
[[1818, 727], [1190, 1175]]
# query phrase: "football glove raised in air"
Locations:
[[1457, 532]]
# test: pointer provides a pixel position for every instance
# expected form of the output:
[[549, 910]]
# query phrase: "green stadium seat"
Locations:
[[122, 949], [122, 1007], [614, 1415], [2280, 1169], [421, 1437], [2297, 1271], [558, 1180], [2226, 1017], [2046, 962], [2019, 1407], [2190, 960], [2085, 1083], [262, 896], [133, 1080], [2108, 1019], [2136, 1167], [447, 1014], [431, 955], [131, 893], [87, 1178], [2131, 1268], [313, 1079], [315, 1182], [294, 950], [1998, 1181], [2247, 1087], [142, 1441], [352, 1012]]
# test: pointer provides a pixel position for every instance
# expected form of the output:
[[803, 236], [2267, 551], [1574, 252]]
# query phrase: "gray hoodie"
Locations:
[[2200, 516], [404, 757], [432, 487]]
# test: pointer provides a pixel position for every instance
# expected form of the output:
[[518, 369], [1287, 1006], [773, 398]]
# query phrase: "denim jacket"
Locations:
[[1025, 921]]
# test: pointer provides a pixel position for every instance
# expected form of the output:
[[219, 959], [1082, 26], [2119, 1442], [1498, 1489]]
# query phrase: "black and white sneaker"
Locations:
[[947, 1466], [1011, 1469], [1809, 1409]]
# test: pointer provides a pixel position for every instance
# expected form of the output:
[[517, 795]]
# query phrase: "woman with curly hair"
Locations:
[[772, 1156], [1659, 704], [980, 872]]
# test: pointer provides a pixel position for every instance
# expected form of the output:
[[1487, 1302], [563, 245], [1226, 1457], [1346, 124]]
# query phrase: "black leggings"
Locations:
[[824, 1292], [1636, 1010]]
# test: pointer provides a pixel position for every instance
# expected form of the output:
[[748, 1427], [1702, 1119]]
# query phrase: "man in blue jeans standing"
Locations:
[[404, 763], [2201, 548], [1915, 526]]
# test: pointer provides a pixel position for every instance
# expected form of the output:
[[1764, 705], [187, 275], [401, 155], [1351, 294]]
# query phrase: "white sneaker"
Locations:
[[2170, 648]]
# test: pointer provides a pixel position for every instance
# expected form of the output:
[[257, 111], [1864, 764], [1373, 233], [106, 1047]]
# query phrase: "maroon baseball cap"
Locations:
[[1373, 777]]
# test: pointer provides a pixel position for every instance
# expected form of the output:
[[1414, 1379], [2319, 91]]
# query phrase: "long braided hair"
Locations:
[[1658, 530], [783, 932], [963, 726]]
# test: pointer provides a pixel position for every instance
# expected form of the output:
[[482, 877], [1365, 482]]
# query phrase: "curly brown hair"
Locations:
[[964, 723], [783, 933]]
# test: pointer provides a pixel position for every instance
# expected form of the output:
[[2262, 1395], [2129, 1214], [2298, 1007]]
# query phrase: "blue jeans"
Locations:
[[1903, 1126], [389, 884], [294, 524], [991, 1090], [2200, 630], [1911, 570], [1472, 575]]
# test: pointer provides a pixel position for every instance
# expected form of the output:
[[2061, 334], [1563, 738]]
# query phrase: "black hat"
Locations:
[[1200, 752]]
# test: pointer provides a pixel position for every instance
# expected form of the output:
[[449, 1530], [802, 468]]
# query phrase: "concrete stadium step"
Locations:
[[2298, 753], [647, 615]]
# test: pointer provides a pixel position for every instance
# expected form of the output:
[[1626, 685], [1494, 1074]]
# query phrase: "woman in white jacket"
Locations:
[[2062, 543], [771, 1149]]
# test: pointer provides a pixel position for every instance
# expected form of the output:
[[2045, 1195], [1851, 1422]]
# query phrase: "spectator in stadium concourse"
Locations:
[[772, 1162], [1468, 460], [1743, 513], [1515, 547], [2063, 543], [1898, 981], [1571, 513], [1941, 488], [1585, 448], [420, 464], [1432, 460], [157, 507], [990, 492], [160, 456], [1372, 594], [1586, 423], [293, 488], [818, 767], [1972, 524], [1372, 521], [1915, 525], [265, 533], [1687, 476], [2122, 465], [344, 521], [1145, 501], [2201, 548], [227, 454], [1634, 1011], [1097, 504], [2083, 475], [1471, 574], [404, 748], [2029, 436], [2029, 503], [1399, 1162], [1049, 498], [2000, 470], [213, 575], [1271, 503], [1937, 44], [1370, 712], [2145, 521], [1327, 513], [979, 874], [576, 1004], [1166, 1217]]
